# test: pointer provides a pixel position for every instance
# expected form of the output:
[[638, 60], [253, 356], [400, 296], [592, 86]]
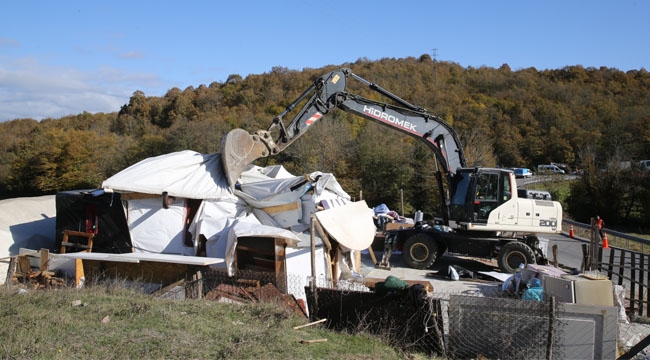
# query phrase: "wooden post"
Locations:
[[11, 271], [45, 260], [372, 255], [555, 262], [24, 267], [79, 277], [198, 279]]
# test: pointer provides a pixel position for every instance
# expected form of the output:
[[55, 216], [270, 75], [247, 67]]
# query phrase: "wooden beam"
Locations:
[[310, 324], [45, 260], [282, 208], [79, 275]]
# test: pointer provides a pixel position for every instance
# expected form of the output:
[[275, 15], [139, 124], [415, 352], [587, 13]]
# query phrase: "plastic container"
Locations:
[[419, 216]]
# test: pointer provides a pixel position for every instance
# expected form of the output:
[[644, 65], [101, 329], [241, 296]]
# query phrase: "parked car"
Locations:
[[645, 164], [523, 173], [549, 169]]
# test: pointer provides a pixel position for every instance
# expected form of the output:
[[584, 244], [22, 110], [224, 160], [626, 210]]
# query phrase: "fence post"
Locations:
[[632, 281], [585, 257], [594, 244], [641, 278], [551, 328]]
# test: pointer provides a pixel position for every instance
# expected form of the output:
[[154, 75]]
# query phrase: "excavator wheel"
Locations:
[[514, 253], [420, 251]]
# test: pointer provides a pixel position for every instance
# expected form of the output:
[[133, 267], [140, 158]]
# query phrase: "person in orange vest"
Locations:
[[601, 224]]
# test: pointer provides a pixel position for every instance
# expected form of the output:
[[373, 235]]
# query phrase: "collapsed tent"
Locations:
[[180, 203]]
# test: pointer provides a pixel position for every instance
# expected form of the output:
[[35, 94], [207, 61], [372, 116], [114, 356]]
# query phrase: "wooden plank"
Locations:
[[138, 257], [24, 267], [310, 324], [312, 341], [45, 260], [75, 245], [357, 262], [11, 271], [372, 255], [282, 208], [323, 234], [79, 274], [396, 226]]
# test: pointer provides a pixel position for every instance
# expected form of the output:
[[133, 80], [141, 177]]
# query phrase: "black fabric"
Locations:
[[72, 209]]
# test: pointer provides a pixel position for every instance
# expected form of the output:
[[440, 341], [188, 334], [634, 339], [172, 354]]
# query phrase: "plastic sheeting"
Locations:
[[268, 202], [185, 174], [351, 225], [157, 230]]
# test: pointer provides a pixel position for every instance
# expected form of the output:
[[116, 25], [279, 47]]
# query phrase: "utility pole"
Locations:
[[435, 67]]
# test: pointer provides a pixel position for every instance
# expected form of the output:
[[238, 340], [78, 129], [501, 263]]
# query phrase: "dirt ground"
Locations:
[[629, 333], [443, 286]]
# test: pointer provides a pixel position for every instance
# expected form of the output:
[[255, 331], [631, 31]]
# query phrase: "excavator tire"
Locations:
[[514, 253], [420, 251]]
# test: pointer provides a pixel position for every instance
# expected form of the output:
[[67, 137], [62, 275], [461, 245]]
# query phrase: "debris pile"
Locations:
[[21, 272], [254, 293]]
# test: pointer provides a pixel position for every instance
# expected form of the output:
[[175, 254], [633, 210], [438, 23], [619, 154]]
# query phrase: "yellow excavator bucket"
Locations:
[[238, 150]]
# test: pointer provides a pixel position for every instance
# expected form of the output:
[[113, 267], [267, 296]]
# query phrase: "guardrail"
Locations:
[[615, 238]]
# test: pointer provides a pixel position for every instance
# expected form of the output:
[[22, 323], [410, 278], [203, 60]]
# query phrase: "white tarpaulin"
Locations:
[[268, 202], [157, 230], [287, 202], [28, 222], [185, 174], [351, 225]]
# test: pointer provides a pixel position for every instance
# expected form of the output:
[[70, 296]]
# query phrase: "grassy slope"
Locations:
[[117, 323]]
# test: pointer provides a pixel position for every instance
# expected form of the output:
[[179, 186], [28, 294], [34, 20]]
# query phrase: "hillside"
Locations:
[[587, 118]]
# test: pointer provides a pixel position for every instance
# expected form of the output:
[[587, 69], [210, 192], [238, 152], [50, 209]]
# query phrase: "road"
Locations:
[[569, 250], [543, 178]]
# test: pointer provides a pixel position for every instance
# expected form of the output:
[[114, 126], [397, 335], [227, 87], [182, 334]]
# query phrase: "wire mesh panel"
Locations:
[[499, 328]]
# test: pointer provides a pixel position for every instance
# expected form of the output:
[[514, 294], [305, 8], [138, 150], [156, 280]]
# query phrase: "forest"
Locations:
[[592, 119]]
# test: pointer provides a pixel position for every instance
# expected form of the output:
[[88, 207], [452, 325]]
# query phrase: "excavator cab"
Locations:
[[477, 192]]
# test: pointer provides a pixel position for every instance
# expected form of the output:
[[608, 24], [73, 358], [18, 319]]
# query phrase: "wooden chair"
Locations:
[[69, 238]]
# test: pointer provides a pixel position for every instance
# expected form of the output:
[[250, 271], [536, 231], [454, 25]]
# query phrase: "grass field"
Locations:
[[115, 322]]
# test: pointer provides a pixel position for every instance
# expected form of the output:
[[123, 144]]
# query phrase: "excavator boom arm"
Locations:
[[239, 148]]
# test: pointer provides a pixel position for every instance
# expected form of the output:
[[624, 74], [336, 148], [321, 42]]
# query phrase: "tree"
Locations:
[[383, 168]]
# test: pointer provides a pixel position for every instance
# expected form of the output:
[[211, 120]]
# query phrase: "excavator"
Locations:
[[482, 215]]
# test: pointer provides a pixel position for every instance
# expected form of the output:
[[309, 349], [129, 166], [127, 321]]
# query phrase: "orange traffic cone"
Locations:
[[605, 243], [571, 233]]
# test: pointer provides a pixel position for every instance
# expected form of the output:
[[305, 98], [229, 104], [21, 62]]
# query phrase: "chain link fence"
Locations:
[[487, 323]]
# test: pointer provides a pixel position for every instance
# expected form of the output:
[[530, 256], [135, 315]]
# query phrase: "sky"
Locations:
[[60, 58]]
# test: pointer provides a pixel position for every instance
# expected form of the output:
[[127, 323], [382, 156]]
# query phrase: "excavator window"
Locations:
[[507, 191], [487, 196]]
